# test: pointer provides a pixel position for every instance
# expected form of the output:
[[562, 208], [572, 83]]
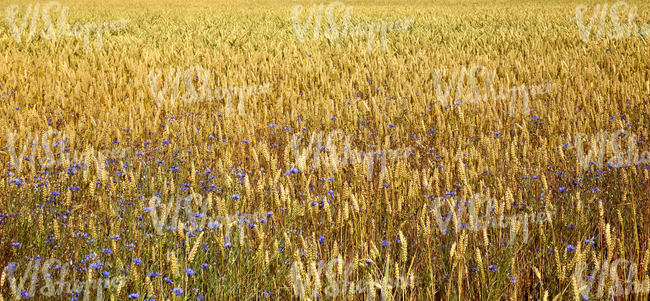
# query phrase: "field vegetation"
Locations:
[[305, 202]]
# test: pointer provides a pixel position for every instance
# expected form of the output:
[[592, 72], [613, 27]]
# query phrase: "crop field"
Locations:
[[297, 150]]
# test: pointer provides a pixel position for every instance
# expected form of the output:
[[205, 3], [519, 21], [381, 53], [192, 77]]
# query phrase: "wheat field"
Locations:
[[241, 150]]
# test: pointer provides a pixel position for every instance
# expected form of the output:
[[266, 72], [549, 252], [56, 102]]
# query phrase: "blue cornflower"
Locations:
[[178, 291]]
